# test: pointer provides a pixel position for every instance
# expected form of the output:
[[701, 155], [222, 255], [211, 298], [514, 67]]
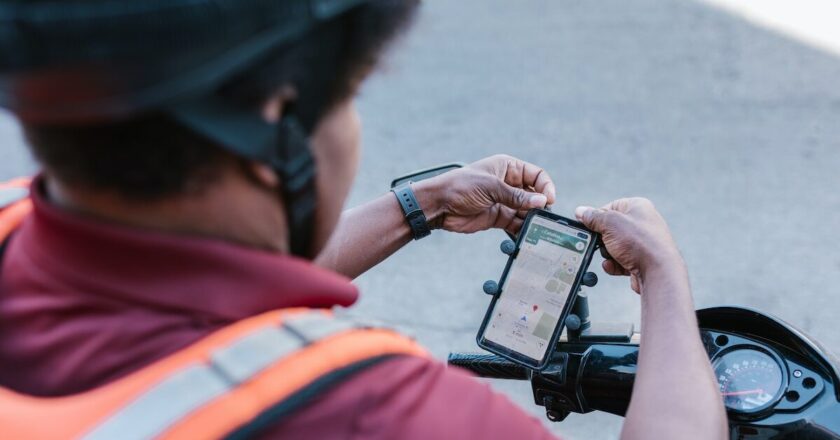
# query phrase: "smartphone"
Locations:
[[426, 173], [537, 289]]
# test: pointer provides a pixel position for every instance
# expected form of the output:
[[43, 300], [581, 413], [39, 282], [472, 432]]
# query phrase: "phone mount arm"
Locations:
[[578, 322], [580, 327]]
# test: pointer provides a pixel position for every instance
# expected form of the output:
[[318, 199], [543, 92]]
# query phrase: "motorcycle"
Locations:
[[775, 381]]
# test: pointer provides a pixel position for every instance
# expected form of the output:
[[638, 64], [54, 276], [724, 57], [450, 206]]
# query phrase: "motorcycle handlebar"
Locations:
[[489, 365], [584, 377]]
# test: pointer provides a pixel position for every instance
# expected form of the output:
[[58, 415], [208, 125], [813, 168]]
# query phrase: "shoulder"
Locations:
[[412, 398]]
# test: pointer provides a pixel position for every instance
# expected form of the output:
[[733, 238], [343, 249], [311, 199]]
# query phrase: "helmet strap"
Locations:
[[296, 167], [284, 146]]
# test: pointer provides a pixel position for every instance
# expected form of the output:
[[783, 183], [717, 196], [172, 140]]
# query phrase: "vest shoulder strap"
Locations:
[[14, 205], [230, 384]]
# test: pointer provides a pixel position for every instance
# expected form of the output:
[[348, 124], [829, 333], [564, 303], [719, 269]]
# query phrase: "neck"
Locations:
[[231, 208]]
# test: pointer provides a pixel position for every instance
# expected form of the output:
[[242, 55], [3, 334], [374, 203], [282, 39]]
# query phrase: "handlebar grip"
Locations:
[[489, 365]]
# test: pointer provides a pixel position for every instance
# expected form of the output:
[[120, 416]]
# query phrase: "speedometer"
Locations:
[[750, 380]]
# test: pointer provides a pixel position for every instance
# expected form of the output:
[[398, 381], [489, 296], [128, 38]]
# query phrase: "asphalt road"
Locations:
[[730, 129]]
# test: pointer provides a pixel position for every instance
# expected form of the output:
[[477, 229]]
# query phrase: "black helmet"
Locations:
[[85, 61]]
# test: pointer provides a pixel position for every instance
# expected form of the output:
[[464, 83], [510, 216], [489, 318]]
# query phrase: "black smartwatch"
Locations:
[[413, 212]]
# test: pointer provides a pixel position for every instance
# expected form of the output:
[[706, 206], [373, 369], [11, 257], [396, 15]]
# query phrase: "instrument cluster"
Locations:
[[757, 380]]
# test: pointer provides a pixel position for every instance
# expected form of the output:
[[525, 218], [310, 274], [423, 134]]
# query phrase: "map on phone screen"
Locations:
[[537, 286]]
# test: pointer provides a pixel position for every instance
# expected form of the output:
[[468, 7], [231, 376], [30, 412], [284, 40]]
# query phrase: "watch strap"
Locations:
[[413, 212]]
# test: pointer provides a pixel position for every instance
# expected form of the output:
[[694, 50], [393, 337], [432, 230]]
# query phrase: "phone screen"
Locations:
[[537, 285]]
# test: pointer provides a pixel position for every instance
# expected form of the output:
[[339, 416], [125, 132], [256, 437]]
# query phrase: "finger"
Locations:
[[612, 268], [539, 179], [518, 199], [527, 175], [506, 218], [618, 268], [514, 226], [522, 213], [635, 284], [594, 219], [620, 205]]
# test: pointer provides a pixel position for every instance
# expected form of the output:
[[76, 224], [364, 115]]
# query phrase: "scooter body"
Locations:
[[746, 347]]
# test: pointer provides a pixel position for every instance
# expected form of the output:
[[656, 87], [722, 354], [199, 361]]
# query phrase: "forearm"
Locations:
[[365, 236], [369, 233], [675, 394]]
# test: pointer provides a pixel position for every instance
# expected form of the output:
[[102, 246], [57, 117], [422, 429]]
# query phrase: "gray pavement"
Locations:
[[731, 130]]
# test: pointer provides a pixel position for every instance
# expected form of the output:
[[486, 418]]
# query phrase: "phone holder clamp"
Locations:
[[578, 324]]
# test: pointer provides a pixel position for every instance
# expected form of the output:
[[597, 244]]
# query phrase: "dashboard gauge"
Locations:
[[750, 379]]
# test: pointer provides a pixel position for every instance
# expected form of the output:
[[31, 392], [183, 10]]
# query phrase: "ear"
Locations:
[[272, 108], [264, 174]]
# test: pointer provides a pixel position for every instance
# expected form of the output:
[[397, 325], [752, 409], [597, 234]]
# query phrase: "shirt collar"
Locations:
[[212, 277]]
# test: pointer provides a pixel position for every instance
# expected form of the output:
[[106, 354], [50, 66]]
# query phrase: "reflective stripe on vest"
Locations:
[[195, 385], [218, 386], [224, 384]]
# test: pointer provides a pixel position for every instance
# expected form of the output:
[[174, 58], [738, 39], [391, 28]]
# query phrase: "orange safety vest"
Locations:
[[229, 384]]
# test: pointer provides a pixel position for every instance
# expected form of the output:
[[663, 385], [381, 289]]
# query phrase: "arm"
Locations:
[[672, 365], [368, 234], [495, 192], [675, 394]]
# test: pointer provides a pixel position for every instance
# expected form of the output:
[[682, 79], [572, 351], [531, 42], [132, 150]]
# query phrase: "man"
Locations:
[[181, 172]]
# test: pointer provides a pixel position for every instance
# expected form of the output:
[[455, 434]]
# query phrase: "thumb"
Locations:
[[519, 199], [594, 219]]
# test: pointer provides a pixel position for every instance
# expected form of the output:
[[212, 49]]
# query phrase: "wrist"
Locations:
[[658, 253], [430, 196], [667, 264]]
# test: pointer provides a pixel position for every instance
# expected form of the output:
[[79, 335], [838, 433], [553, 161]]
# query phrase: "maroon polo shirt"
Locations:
[[84, 302]]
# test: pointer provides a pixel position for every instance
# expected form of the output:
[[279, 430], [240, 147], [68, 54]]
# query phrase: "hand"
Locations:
[[495, 192], [635, 235]]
